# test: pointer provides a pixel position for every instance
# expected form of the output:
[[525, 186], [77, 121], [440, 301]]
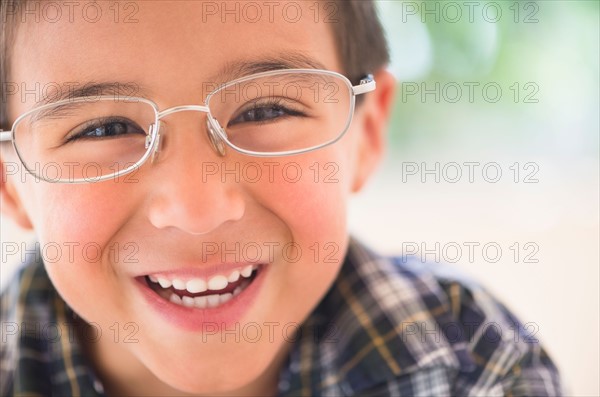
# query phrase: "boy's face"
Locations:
[[176, 219]]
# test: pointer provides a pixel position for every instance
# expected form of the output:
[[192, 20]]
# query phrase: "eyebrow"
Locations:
[[118, 89], [230, 71], [287, 60]]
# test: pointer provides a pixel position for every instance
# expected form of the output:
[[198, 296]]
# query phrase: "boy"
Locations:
[[172, 161]]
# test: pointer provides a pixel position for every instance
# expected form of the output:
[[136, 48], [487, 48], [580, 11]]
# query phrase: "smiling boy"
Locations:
[[221, 282]]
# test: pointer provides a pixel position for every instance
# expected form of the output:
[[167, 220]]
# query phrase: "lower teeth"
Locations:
[[202, 302]]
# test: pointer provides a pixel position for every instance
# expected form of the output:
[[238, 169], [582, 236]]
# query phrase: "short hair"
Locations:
[[357, 30]]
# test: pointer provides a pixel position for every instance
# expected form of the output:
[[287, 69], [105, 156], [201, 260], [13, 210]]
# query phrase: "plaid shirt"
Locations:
[[387, 326]]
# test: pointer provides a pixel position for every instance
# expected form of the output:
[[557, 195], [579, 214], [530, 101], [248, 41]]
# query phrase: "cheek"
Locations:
[[89, 213], [76, 227], [310, 192], [310, 197], [313, 210]]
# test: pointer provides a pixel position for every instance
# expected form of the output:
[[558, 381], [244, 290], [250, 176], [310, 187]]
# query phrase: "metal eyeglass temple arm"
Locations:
[[367, 84], [5, 135]]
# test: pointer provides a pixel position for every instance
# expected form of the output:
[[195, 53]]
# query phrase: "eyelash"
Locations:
[[270, 103], [99, 123]]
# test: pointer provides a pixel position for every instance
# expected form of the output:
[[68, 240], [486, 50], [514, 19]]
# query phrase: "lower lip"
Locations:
[[214, 319]]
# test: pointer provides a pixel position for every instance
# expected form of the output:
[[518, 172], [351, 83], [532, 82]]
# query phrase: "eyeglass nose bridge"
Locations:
[[183, 108], [215, 138]]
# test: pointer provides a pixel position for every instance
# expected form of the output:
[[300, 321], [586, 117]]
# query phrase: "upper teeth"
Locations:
[[197, 285]]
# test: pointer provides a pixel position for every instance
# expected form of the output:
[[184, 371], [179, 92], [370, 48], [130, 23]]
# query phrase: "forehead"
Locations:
[[171, 48]]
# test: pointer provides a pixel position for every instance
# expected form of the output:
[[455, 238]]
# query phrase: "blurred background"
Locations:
[[508, 87], [493, 161]]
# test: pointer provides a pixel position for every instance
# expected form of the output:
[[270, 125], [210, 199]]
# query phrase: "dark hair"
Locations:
[[356, 27], [362, 46]]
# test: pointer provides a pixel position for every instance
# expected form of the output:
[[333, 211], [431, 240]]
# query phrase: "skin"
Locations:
[[165, 215]]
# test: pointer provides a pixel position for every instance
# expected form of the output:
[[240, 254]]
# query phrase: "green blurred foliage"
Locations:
[[543, 55]]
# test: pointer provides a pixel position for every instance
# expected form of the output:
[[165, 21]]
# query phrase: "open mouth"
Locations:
[[203, 293]]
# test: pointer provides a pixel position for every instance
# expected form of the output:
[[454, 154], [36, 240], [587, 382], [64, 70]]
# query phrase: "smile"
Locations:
[[196, 297], [200, 292]]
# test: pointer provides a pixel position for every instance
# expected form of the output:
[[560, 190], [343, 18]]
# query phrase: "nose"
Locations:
[[184, 195]]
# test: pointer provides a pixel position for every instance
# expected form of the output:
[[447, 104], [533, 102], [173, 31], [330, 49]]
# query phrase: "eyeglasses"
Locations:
[[276, 113]]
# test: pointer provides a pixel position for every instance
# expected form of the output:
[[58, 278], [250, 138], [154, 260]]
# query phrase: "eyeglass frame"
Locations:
[[215, 132]]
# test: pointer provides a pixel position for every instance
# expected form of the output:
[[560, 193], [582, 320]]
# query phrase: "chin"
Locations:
[[210, 377]]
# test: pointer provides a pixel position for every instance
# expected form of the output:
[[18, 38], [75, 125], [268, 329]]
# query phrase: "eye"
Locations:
[[264, 112], [107, 128]]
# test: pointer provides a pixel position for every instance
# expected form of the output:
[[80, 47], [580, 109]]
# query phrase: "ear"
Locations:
[[11, 204], [373, 115]]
